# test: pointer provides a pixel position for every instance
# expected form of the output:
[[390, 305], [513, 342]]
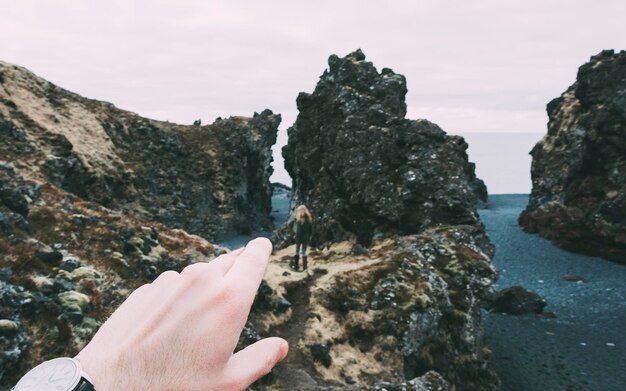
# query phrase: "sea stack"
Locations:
[[578, 198], [363, 168], [401, 263]]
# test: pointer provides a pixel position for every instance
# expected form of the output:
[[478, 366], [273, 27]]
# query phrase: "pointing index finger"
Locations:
[[249, 267]]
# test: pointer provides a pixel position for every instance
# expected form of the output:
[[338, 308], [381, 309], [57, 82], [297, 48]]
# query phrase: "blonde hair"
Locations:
[[302, 212]]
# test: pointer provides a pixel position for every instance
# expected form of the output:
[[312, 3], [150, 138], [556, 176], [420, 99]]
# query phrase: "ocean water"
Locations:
[[502, 160], [584, 347]]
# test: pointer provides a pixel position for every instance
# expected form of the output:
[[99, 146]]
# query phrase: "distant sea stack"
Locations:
[[363, 168], [578, 198], [209, 180]]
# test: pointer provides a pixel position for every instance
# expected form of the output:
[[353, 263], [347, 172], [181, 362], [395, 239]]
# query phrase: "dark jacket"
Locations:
[[303, 231]]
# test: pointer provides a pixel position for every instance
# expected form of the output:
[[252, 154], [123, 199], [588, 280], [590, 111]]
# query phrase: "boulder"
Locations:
[[363, 168], [578, 198], [517, 301]]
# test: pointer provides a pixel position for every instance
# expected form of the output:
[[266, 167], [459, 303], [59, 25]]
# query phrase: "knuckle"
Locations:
[[193, 269], [166, 275], [139, 292]]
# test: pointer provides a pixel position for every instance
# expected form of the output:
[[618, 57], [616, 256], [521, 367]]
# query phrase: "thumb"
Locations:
[[255, 361]]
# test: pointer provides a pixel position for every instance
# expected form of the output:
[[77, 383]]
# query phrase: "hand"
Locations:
[[180, 331]]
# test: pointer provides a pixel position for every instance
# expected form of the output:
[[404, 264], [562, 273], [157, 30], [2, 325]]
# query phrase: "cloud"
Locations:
[[471, 65]]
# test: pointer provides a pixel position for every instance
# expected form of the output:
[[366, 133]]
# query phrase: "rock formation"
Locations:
[[408, 306], [578, 198], [209, 180], [363, 168], [392, 301], [402, 264], [84, 188], [66, 264]]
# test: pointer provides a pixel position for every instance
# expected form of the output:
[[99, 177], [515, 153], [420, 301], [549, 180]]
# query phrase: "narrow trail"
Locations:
[[295, 372]]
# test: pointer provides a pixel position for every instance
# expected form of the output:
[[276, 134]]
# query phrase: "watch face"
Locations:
[[60, 374]]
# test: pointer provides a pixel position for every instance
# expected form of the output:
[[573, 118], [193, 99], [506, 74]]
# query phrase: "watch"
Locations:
[[59, 374]]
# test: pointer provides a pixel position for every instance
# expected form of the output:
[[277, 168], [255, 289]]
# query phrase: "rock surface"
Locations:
[[578, 198], [363, 168], [408, 307], [66, 264], [209, 180]]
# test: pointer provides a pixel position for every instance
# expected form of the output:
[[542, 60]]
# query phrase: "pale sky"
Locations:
[[471, 66]]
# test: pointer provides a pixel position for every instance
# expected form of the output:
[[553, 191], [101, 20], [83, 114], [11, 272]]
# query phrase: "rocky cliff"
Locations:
[[209, 180], [66, 264], [403, 262], [578, 198], [363, 168]]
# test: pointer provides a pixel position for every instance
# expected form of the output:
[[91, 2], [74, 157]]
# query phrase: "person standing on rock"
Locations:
[[303, 228]]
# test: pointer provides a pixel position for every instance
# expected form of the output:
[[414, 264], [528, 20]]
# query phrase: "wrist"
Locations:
[[96, 370]]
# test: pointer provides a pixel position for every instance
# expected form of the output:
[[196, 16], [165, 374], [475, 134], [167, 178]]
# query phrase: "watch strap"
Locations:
[[84, 385]]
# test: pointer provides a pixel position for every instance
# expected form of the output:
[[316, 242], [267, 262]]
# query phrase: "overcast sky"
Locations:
[[471, 66]]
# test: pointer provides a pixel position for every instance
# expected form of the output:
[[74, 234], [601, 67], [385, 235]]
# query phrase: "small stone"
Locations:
[[136, 242], [49, 257], [8, 327], [85, 273], [357, 250], [283, 305], [62, 285], [321, 353], [70, 264], [73, 301], [74, 317], [574, 278]]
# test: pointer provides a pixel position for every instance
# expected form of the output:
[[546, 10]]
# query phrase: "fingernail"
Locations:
[[284, 349]]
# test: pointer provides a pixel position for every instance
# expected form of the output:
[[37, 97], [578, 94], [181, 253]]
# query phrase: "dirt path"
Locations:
[[295, 372]]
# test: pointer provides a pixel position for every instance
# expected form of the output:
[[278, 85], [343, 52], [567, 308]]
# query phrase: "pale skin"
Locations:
[[180, 331]]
